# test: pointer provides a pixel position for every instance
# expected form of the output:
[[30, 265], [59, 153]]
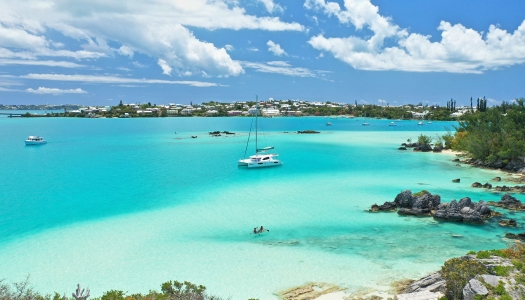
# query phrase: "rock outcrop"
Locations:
[[307, 132], [432, 283], [387, 206], [508, 202], [465, 210], [426, 204], [457, 180], [508, 223]]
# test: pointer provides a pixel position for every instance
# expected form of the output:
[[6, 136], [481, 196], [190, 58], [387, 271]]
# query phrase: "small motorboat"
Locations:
[[420, 123], [429, 122], [392, 124], [193, 136], [35, 140], [328, 123], [365, 124]]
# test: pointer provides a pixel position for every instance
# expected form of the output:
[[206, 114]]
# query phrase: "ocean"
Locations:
[[127, 204]]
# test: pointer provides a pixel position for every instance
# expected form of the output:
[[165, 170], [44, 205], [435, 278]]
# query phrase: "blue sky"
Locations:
[[176, 51]]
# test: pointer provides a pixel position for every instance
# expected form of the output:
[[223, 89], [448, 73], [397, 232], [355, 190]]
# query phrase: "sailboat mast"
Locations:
[[256, 116]]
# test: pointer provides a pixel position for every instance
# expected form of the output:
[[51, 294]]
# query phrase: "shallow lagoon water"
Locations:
[[127, 204]]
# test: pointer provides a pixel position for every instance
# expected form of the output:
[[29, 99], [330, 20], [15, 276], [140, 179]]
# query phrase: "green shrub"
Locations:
[[499, 253], [483, 254], [457, 272], [113, 295], [520, 279], [479, 297], [421, 193], [500, 289], [471, 252], [502, 271]]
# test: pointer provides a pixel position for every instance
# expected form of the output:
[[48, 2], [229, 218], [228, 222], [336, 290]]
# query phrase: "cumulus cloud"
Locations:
[[460, 50], [156, 28], [107, 79], [125, 50], [229, 47], [166, 69], [271, 7], [275, 48], [283, 68], [55, 91]]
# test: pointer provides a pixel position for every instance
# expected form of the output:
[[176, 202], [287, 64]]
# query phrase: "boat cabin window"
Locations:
[[266, 158]]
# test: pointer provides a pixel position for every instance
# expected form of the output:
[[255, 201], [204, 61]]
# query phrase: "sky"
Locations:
[[98, 52]]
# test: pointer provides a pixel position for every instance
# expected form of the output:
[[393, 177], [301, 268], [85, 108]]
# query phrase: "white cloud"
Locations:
[[253, 49], [108, 79], [275, 48], [47, 63], [156, 28], [125, 50], [282, 68], [461, 50], [124, 69], [55, 91], [271, 7], [166, 69], [278, 63], [229, 47], [139, 65]]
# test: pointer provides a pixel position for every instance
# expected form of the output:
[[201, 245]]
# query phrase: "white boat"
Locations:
[[261, 158], [35, 140], [365, 124], [392, 124], [429, 122], [420, 123], [328, 123]]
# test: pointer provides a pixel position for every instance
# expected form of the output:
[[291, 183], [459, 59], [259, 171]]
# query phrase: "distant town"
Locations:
[[266, 108]]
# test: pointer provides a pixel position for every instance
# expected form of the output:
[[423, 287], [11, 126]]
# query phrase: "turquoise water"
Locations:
[[127, 204]]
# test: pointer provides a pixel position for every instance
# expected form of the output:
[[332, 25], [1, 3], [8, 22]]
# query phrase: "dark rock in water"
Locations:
[[456, 180], [416, 205], [307, 132], [402, 148], [514, 166], [411, 145], [463, 211], [437, 149], [508, 222], [413, 212], [473, 217], [423, 148], [387, 206], [456, 160], [404, 144], [502, 188], [519, 236], [487, 186], [508, 202], [476, 185], [405, 199], [496, 178]]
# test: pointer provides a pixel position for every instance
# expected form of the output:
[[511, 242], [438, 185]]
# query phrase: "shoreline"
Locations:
[[398, 286]]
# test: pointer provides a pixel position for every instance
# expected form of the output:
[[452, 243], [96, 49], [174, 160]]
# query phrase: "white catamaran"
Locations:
[[261, 158]]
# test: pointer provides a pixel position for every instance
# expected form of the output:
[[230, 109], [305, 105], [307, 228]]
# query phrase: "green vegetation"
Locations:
[[421, 193], [171, 290], [483, 254], [424, 139], [457, 272], [492, 134]]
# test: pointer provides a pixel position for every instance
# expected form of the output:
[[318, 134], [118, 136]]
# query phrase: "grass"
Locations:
[[483, 254], [502, 271]]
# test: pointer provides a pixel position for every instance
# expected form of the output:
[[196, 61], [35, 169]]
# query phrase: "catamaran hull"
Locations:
[[265, 164]]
